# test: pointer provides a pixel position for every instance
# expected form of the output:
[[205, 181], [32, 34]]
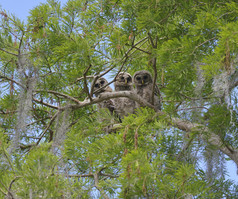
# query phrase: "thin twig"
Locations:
[[51, 121], [185, 148], [147, 52], [93, 84], [10, 186], [4, 187], [45, 104], [12, 80], [81, 78], [9, 160], [40, 120], [155, 70], [125, 58], [80, 175], [19, 49], [98, 187], [59, 94], [85, 82], [202, 44], [8, 52], [195, 107]]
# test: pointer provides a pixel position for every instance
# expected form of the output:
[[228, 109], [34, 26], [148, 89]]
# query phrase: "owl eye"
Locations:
[[97, 85], [122, 78], [129, 79], [145, 77], [102, 82], [138, 78]]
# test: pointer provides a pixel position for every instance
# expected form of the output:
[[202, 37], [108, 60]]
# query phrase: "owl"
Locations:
[[123, 105], [143, 82], [109, 104]]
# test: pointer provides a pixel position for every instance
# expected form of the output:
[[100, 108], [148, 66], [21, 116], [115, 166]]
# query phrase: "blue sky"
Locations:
[[21, 8]]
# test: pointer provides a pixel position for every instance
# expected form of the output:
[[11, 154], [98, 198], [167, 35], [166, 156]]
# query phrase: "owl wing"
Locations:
[[157, 91], [110, 105], [158, 97]]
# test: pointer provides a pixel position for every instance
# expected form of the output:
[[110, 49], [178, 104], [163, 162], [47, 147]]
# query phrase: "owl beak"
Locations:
[[125, 81], [142, 81]]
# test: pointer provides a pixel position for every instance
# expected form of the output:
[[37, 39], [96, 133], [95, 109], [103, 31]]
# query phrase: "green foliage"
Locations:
[[48, 65]]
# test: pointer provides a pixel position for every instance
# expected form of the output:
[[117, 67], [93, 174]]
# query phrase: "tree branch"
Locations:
[[8, 52], [85, 82], [81, 175], [144, 51], [60, 94], [10, 186], [51, 121], [44, 103], [202, 44], [205, 134], [12, 80], [233, 80], [125, 57], [98, 187], [110, 95]]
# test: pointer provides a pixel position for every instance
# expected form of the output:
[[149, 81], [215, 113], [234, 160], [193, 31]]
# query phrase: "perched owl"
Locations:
[[144, 87], [123, 105], [106, 103]]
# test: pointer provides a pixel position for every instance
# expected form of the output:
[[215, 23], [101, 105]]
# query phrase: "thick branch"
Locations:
[[205, 134], [106, 96]]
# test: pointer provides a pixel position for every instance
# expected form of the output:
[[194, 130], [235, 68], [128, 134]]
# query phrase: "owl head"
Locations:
[[99, 84], [142, 78], [123, 81]]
